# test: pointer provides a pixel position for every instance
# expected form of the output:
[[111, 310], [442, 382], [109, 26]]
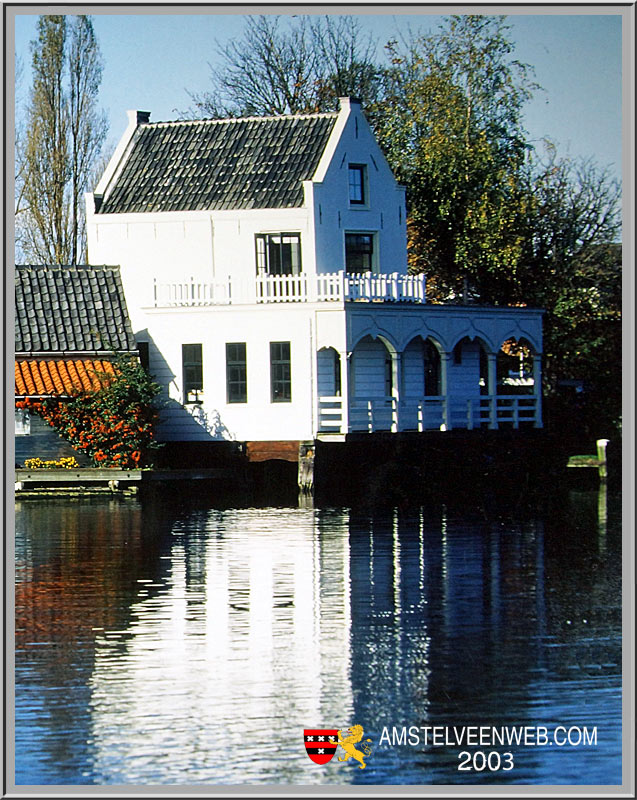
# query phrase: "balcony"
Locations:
[[335, 287]]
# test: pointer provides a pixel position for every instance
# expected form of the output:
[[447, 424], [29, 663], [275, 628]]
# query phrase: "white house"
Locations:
[[265, 270]]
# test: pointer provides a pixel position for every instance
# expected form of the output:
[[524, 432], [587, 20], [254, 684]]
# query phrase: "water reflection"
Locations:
[[161, 644]]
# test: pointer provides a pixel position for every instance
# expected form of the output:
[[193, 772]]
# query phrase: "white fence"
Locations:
[[326, 287], [430, 413]]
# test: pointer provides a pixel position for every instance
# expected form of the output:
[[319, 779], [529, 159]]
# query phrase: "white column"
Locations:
[[492, 389], [344, 356], [537, 388], [445, 361], [397, 376]]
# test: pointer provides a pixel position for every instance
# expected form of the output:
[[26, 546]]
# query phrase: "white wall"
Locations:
[[384, 214], [180, 246], [259, 418]]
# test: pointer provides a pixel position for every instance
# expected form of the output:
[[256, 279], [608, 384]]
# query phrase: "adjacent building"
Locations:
[[70, 324]]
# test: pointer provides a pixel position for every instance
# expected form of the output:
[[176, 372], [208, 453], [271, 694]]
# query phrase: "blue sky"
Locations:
[[151, 60]]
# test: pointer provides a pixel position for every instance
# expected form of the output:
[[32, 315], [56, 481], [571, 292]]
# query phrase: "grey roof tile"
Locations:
[[72, 309], [219, 164]]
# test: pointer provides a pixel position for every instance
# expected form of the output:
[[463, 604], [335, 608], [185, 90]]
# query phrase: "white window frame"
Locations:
[[374, 254], [22, 422], [261, 243], [362, 170]]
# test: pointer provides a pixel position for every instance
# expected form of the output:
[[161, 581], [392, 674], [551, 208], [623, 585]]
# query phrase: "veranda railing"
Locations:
[[429, 413], [303, 288]]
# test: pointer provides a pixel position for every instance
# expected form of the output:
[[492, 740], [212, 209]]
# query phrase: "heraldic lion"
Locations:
[[356, 734]]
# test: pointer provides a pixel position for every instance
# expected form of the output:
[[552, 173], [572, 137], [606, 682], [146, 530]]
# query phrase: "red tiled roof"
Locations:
[[35, 378]]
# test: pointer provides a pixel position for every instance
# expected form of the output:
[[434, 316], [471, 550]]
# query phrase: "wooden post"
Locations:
[[306, 467], [601, 457]]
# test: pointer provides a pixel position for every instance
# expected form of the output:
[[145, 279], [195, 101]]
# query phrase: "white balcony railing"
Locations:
[[429, 413], [325, 287]]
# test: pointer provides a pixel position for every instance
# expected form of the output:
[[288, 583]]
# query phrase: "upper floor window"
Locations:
[[359, 252], [236, 372], [278, 253], [192, 368], [357, 184]]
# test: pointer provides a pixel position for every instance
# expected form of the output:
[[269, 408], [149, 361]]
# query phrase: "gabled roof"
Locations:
[[248, 163], [70, 310], [59, 377]]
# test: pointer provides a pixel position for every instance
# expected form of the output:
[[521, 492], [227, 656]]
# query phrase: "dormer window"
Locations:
[[357, 184]]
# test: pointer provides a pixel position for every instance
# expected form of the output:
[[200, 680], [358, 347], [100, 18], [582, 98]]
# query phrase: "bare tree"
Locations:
[[87, 125], [290, 65], [347, 61], [64, 135]]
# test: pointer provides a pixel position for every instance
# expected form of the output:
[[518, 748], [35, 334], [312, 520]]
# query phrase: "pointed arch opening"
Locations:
[[515, 367], [421, 369], [328, 372]]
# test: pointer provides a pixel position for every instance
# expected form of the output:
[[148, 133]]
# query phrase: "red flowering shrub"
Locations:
[[114, 425]]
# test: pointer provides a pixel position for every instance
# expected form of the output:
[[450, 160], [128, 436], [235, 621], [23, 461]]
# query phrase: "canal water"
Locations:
[[167, 642]]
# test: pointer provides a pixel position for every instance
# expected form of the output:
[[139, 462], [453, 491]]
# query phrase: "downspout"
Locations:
[[314, 403]]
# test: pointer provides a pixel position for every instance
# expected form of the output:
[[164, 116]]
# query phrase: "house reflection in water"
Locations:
[[160, 646], [244, 645], [439, 614]]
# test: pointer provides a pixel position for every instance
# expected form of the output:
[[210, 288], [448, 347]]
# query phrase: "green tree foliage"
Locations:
[[450, 123], [63, 139], [295, 67], [574, 272]]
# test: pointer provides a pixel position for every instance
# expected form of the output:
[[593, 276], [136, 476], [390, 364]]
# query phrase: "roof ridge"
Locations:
[[267, 118], [68, 266]]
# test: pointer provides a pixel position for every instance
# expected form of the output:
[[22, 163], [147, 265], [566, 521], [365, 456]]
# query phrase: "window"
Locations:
[[389, 376], [236, 373], [278, 253], [280, 372], [357, 185], [143, 348], [192, 366], [359, 252], [22, 422], [432, 369]]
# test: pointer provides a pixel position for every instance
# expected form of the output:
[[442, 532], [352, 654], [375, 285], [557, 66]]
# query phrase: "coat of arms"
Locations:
[[320, 745]]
